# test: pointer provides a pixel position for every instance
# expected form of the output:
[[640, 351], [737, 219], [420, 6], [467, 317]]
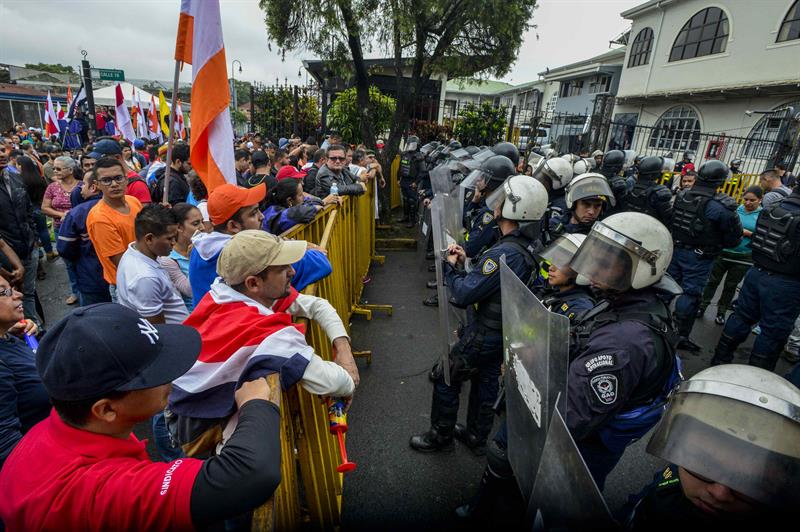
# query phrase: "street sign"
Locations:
[[108, 74]]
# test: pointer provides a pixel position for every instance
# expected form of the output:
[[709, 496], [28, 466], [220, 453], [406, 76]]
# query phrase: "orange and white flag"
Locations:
[[50, 118], [200, 44], [152, 114]]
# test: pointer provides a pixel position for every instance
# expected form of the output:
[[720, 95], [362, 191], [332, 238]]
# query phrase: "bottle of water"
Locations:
[[334, 189]]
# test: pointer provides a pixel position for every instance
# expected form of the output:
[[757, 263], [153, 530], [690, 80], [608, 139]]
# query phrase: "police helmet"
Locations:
[[583, 166], [492, 173], [737, 163], [454, 145], [688, 155], [507, 149], [626, 250], [472, 150], [597, 153], [630, 159], [571, 158], [558, 170], [651, 168], [428, 148], [412, 143], [589, 186], [613, 161], [561, 251], [713, 173], [521, 198], [738, 426]]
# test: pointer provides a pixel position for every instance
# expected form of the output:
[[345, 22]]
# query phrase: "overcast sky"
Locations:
[[139, 36]]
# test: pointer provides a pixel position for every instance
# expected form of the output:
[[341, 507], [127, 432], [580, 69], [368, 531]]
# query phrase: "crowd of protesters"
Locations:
[[151, 275]]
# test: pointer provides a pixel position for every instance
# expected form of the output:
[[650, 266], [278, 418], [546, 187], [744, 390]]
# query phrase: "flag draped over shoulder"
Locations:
[[242, 341], [200, 44]]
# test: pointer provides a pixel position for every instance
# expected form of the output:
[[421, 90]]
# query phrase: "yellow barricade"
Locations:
[[394, 186], [733, 186], [310, 493]]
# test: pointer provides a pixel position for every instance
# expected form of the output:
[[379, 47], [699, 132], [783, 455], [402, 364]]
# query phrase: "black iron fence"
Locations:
[[282, 110]]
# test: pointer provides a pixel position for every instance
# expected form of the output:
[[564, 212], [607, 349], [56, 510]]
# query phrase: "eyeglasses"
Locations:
[[106, 181], [337, 158], [7, 292]]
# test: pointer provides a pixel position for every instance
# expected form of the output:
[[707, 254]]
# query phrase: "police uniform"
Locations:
[[482, 230], [478, 354], [662, 505], [570, 303], [564, 224], [622, 367], [412, 166], [703, 223], [651, 198], [770, 293]]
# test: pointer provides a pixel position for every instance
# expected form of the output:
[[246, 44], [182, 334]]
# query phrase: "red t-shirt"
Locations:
[[62, 478], [138, 189]]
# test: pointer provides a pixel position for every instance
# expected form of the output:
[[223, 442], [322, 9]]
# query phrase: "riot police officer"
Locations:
[[703, 223], [588, 199], [648, 195], [622, 356], [507, 149], [564, 293], [479, 219], [770, 293], [686, 163], [518, 205], [613, 163], [731, 441], [411, 166], [555, 174]]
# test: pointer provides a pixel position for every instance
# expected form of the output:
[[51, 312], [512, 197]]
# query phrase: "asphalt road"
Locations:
[[394, 487]]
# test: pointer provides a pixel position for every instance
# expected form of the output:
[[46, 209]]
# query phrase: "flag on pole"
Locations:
[[69, 95], [153, 131], [123, 117], [212, 133], [179, 128], [50, 117], [163, 110], [59, 111], [139, 120], [76, 102]]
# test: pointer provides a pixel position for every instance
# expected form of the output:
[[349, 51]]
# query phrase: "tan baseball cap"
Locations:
[[251, 251]]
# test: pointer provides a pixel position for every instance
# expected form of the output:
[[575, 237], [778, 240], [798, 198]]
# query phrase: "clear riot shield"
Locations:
[[425, 229], [536, 357], [565, 496], [446, 227], [468, 185], [441, 179]]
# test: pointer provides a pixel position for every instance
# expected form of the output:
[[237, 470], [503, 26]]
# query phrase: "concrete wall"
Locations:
[[751, 57], [584, 102]]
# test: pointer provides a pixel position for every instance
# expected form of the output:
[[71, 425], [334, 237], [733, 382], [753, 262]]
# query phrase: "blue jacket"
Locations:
[[73, 244], [279, 219], [203, 265]]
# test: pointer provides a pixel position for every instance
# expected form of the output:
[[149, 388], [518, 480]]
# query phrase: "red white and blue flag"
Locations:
[[242, 341]]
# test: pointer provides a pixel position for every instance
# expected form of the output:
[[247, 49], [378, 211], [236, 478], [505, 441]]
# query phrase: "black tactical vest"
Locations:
[[408, 165], [489, 311], [690, 226], [775, 242], [638, 199]]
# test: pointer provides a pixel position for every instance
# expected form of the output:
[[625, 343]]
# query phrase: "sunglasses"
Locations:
[[337, 158], [6, 292], [114, 179]]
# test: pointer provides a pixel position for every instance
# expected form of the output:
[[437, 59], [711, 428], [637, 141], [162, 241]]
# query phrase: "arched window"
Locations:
[[640, 49], [763, 138], [790, 27], [706, 33], [678, 129]]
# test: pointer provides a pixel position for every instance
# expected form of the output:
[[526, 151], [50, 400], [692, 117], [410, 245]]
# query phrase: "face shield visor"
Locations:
[[427, 149], [590, 187], [412, 145], [630, 159], [482, 155], [610, 260], [495, 200], [702, 431], [460, 153], [559, 253], [669, 165]]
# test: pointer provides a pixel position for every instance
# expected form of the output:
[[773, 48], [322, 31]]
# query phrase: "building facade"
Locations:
[[718, 77]]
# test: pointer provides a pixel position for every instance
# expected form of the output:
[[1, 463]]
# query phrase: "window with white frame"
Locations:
[[790, 27], [761, 141], [600, 83], [677, 129], [706, 33]]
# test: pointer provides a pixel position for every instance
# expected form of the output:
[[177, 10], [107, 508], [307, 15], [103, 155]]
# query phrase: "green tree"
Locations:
[[482, 124], [239, 117], [275, 113], [56, 68], [345, 118], [242, 91]]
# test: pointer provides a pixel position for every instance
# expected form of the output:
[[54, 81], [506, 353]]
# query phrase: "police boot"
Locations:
[[432, 301], [723, 354], [412, 215], [497, 502], [473, 442], [766, 362], [684, 325], [432, 442]]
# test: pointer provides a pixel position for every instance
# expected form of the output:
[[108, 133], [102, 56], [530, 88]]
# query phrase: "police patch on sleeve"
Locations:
[[600, 361], [487, 218], [605, 388], [489, 267]]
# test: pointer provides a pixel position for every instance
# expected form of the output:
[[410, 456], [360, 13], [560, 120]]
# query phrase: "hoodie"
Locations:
[[206, 248]]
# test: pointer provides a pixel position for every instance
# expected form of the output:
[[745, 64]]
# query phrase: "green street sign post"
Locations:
[[108, 74]]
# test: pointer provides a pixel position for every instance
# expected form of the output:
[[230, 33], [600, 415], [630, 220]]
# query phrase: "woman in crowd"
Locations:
[[56, 203], [733, 263], [23, 399], [289, 206], [200, 194], [36, 185], [131, 162], [177, 262]]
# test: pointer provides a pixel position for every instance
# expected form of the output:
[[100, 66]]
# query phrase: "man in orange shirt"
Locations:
[[136, 186], [110, 223]]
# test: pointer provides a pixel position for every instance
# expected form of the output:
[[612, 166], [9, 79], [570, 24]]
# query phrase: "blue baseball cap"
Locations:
[[105, 147], [138, 144], [106, 347]]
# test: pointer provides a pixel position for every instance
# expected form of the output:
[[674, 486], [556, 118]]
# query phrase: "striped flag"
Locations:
[[123, 117], [200, 44], [138, 116], [76, 102], [179, 127], [59, 111], [50, 118], [152, 115], [241, 342]]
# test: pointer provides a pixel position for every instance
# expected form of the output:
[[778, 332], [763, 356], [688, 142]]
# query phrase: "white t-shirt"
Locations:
[[144, 286]]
